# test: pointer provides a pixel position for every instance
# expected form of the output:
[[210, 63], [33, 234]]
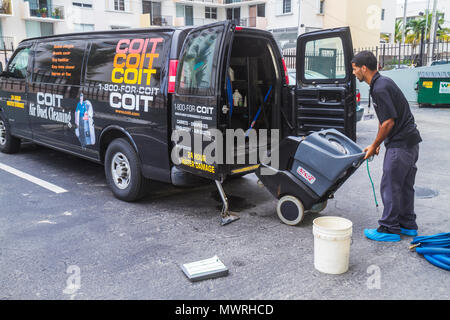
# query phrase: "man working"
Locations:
[[401, 138]]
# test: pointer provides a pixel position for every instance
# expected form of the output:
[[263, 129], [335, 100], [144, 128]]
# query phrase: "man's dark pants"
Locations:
[[397, 188]]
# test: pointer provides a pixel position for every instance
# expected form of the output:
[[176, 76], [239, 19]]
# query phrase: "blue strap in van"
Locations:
[[257, 113], [230, 95]]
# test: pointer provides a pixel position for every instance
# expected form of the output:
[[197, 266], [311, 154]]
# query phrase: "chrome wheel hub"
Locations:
[[120, 169], [2, 133]]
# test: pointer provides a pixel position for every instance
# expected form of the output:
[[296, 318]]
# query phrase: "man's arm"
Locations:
[[383, 132]]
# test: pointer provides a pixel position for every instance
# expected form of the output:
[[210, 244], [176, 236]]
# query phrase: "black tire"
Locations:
[[290, 210], [123, 171], [8, 143]]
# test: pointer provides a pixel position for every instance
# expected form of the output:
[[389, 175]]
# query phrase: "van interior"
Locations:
[[253, 77]]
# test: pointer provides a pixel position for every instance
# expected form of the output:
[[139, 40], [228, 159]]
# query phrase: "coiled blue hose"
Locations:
[[439, 260], [435, 249]]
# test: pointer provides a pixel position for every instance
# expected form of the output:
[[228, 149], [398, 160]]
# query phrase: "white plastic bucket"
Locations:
[[332, 238]]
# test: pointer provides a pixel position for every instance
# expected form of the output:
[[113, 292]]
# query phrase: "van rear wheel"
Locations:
[[290, 210], [123, 171], [8, 143]]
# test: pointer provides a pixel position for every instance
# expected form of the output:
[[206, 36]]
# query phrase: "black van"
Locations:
[[116, 97]]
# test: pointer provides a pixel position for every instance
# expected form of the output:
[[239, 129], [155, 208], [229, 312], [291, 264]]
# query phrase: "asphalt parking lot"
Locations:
[[118, 250]]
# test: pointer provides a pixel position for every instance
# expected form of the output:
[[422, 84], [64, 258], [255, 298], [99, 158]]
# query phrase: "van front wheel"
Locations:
[[8, 143], [123, 171]]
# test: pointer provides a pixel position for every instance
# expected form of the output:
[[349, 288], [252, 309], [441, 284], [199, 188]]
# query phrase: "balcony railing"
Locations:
[[7, 43], [50, 12], [253, 22], [163, 21], [6, 7], [205, 1]]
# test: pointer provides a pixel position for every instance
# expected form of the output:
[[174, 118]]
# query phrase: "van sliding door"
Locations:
[[196, 104], [55, 96], [325, 92]]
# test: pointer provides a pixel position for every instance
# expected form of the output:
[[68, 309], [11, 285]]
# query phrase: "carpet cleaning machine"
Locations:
[[311, 169]]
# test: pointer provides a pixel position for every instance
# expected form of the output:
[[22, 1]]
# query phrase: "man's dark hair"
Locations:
[[365, 58]]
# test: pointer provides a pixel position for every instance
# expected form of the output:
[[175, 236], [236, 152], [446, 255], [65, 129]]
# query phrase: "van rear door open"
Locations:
[[325, 90], [195, 108]]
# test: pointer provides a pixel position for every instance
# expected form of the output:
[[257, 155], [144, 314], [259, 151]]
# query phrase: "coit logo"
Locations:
[[129, 101], [132, 63]]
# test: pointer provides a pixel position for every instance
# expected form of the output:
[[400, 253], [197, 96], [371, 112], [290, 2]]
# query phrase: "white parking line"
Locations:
[[26, 176]]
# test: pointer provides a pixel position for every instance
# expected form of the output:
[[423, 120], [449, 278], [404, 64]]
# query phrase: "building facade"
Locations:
[[20, 19], [33, 18]]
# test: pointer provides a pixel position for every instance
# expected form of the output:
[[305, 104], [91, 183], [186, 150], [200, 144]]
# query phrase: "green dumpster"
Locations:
[[433, 88]]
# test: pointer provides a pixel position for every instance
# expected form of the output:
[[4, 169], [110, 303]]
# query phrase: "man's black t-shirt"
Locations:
[[389, 102]]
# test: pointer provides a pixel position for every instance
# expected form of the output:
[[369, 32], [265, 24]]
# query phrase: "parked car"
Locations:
[[439, 62], [309, 74]]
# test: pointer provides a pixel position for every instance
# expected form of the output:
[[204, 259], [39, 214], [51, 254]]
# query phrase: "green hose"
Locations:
[[373, 188]]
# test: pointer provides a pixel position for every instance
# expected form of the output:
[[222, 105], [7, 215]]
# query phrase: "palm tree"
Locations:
[[443, 34], [398, 31], [413, 31]]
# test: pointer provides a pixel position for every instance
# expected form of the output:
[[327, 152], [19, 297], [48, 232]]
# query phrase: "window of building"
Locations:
[[119, 5], [321, 6], [83, 27], [287, 8], [38, 29], [82, 3], [179, 10], [210, 13], [382, 14], [186, 12], [261, 10]]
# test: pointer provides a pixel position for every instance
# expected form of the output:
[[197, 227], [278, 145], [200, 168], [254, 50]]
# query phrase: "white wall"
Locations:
[[101, 16], [406, 80], [102, 19], [275, 17], [388, 24], [14, 26]]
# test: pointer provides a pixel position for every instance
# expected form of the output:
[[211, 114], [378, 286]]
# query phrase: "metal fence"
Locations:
[[6, 48], [329, 62], [289, 58], [392, 56]]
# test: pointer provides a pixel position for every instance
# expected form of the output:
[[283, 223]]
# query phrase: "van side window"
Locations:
[[18, 66], [132, 60], [324, 59], [59, 62], [196, 68]]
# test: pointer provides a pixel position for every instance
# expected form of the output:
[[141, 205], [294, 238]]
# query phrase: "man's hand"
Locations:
[[371, 150], [383, 132]]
